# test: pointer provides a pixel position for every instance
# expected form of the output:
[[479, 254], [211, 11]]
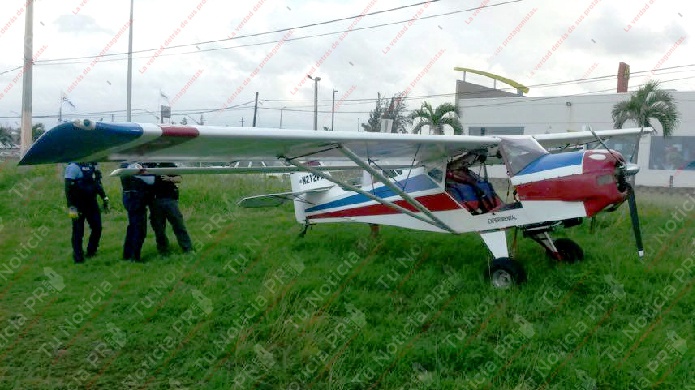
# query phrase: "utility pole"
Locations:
[[255, 110], [130, 65], [25, 133], [333, 109], [281, 116], [316, 101]]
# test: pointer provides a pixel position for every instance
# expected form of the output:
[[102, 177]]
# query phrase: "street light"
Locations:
[[316, 99], [333, 109]]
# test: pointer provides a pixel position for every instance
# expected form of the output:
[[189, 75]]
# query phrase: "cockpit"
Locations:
[[470, 189]]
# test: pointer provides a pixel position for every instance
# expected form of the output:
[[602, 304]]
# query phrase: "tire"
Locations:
[[568, 250], [505, 272]]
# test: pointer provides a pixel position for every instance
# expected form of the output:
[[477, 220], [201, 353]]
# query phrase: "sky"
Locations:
[[211, 57]]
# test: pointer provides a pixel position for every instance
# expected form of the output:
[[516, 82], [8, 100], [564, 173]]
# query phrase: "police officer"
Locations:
[[136, 196], [165, 207], [82, 185]]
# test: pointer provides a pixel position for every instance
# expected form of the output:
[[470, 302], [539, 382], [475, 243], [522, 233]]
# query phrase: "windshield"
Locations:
[[517, 153]]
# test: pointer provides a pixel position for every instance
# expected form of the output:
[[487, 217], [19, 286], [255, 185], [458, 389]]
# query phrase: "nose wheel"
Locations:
[[504, 272], [561, 249]]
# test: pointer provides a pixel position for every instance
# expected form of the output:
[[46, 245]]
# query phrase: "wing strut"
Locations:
[[362, 192], [388, 183]]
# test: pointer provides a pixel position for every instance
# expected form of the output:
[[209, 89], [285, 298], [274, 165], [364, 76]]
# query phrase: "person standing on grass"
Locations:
[[165, 207], [136, 196], [82, 186]]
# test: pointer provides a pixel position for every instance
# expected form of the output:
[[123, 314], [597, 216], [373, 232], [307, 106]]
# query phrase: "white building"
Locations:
[[664, 162]]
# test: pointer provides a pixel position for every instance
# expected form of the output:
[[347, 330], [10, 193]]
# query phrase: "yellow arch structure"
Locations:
[[505, 80]]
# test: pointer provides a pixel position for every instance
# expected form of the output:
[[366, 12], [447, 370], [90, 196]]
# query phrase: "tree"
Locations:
[[37, 130], [648, 102], [385, 108], [6, 137], [436, 119]]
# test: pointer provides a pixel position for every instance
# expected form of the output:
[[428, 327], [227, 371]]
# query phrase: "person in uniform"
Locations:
[[137, 193], [165, 207], [82, 186]]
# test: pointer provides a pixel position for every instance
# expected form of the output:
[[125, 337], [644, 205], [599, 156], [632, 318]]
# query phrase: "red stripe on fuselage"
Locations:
[[435, 202]]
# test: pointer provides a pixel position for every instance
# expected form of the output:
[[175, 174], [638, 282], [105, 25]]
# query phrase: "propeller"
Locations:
[[634, 216], [625, 170]]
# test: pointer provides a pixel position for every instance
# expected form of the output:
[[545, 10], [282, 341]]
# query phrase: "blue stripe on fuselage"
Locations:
[[66, 142], [413, 184], [552, 161]]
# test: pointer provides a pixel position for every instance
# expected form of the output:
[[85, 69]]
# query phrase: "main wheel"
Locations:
[[568, 250], [505, 272]]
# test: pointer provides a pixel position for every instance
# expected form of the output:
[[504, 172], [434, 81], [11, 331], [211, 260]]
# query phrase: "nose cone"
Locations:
[[631, 169], [79, 141]]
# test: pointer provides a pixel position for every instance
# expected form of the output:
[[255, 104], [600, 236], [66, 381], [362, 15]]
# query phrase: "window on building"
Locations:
[[495, 130], [672, 153]]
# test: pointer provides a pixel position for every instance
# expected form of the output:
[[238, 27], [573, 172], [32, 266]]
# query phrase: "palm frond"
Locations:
[[454, 123], [621, 114], [649, 101], [418, 127], [444, 109]]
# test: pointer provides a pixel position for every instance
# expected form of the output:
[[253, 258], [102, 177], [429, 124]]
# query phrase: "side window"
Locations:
[[518, 153], [436, 174], [435, 170]]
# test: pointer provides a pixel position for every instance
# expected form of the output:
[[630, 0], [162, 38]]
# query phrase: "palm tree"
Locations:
[[37, 131], [648, 102], [6, 139], [445, 114]]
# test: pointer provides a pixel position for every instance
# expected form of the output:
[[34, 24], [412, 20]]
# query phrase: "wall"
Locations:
[[556, 114]]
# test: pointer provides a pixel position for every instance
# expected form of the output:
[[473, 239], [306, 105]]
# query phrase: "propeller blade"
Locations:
[[635, 221]]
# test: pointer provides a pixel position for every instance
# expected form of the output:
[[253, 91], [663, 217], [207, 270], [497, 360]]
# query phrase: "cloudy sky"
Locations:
[[212, 56]]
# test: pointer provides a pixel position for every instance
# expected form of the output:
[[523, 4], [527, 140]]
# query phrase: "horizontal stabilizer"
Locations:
[[274, 200]]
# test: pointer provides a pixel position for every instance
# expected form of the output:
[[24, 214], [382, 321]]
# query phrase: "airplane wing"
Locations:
[[103, 141], [585, 137]]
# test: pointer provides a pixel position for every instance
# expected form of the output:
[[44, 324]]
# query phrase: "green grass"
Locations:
[[258, 307]]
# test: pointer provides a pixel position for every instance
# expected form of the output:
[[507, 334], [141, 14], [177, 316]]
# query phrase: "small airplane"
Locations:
[[417, 182]]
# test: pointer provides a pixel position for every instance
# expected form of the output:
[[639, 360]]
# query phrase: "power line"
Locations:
[[76, 60], [243, 106]]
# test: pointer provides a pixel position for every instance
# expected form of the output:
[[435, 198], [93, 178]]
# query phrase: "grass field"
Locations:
[[259, 308]]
